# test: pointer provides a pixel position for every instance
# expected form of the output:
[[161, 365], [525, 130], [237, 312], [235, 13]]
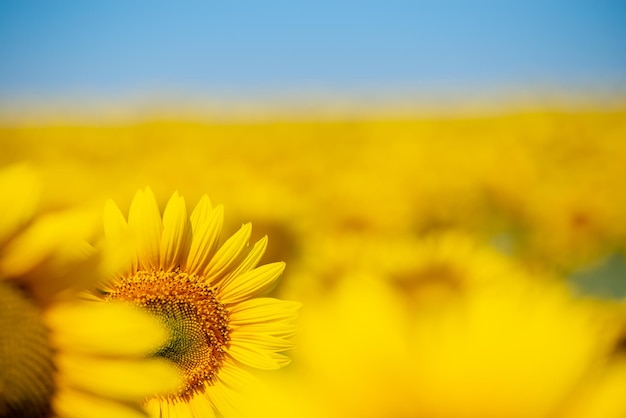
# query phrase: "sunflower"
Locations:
[[60, 355], [515, 349], [205, 294]]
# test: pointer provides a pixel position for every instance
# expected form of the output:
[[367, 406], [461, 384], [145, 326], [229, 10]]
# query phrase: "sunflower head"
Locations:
[[205, 294], [61, 355]]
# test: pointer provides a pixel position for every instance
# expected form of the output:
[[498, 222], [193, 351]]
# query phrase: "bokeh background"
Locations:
[[445, 180]]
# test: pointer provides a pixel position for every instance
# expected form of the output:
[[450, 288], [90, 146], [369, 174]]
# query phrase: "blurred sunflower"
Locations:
[[204, 294], [61, 356], [602, 396], [513, 350], [480, 336]]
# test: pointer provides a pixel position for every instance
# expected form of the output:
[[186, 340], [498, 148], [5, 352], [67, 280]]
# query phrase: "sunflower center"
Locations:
[[197, 320], [26, 366]]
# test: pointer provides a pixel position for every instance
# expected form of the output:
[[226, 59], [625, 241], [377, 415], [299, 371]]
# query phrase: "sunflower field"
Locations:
[[461, 266]]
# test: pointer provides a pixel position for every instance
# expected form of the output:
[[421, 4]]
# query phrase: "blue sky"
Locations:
[[50, 49]]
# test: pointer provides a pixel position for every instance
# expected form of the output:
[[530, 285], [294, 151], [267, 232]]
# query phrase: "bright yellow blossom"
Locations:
[[61, 356], [204, 293]]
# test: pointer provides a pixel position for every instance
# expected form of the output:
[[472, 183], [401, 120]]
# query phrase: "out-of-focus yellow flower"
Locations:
[[572, 222], [558, 181], [533, 169], [427, 271], [515, 351], [353, 351], [496, 343], [602, 395], [205, 294], [286, 394], [18, 200], [445, 267], [360, 209], [61, 356]]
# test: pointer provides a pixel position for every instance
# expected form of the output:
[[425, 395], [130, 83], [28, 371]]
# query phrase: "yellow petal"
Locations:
[[70, 403], [124, 379], [281, 329], [104, 328], [201, 406], [166, 411], [260, 341], [227, 255], [50, 236], [251, 283], [233, 375], [251, 260], [67, 270], [233, 387], [206, 225], [145, 223], [224, 399], [180, 410], [19, 194], [115, 226], [153, 407], [263, 310], [253, 356], [174, 237], [120, 243]]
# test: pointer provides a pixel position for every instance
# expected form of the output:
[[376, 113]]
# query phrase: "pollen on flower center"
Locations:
[[199, 323]]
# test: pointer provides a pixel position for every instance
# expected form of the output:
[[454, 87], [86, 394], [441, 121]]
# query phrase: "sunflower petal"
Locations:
[[263, 310], [251, 283], [281, 329], [123, 379], [115, 225], [51, 235], [70, 403], [152, 406], [224, 399], [201, 406], [261, 341], [233, 376], [251, 260], [180, 409], [206, 225], [253, 356], [227, 255], [19, 193], [173, 240], [145, 222], [114, 329], [120, 247]]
